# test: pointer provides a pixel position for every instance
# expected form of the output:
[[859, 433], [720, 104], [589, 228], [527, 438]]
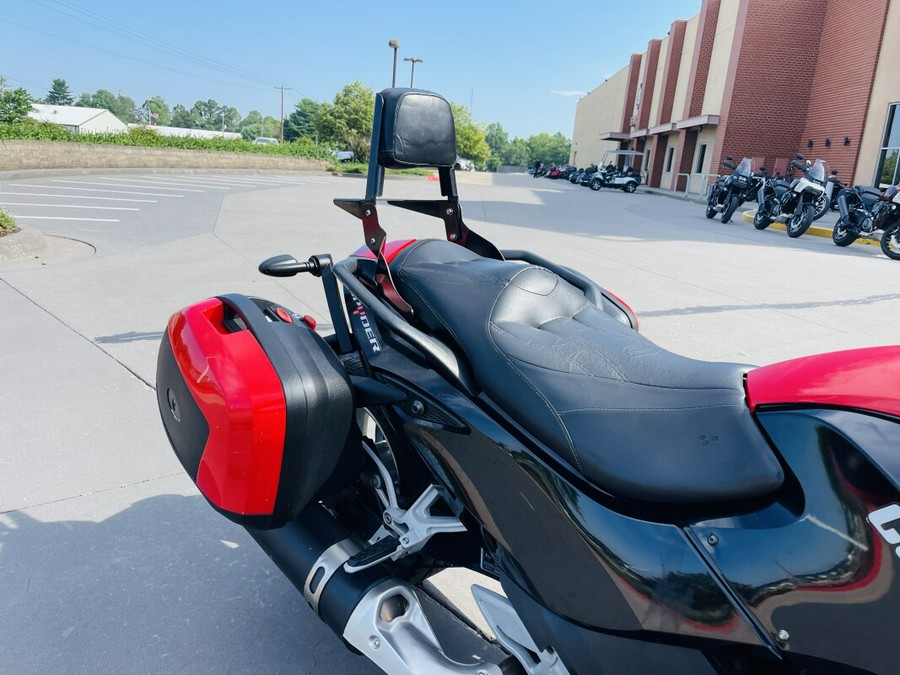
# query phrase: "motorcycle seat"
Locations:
[[634, 419], [869, 193], [782, 185]]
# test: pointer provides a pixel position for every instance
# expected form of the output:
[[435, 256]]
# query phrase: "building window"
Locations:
[[701, 156], [669, 158], [886, 174]]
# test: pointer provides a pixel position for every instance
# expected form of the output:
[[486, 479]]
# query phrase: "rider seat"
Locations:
[[634, 419]]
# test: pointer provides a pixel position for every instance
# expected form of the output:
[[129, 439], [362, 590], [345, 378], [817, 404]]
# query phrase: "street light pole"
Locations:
[[393, 44], [413, 60]]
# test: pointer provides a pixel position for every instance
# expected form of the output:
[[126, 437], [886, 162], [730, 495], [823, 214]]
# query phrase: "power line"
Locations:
[[126, 56], [134, 35]]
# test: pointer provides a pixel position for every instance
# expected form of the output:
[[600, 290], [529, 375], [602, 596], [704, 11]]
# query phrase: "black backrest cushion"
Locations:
[[417, 130]]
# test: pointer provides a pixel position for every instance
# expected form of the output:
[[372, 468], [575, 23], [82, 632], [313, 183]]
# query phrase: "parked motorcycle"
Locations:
[[791, 202], [865, 211], [729, 192], [828, 201], [493, 410], [588, 175]]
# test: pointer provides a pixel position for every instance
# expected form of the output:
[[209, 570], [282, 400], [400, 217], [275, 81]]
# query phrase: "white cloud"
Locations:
[[568, 92]]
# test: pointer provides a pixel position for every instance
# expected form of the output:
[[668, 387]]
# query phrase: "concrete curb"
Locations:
[[26, 243], [814, 230], [48, 173]]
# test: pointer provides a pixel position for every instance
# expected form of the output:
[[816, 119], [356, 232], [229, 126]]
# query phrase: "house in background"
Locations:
[[79, 120], [188, 133]]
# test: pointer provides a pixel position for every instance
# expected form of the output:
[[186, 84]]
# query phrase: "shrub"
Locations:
[[7, 223], [29, 130]]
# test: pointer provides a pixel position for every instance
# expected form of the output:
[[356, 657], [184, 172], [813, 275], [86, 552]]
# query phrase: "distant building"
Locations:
[[760, 79], [188, 133], [77, 119]]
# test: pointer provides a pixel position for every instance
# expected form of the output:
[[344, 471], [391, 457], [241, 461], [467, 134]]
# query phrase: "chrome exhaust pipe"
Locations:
[[375, 612]]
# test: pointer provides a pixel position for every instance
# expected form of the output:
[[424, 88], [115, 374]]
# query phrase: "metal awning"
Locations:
[[661, 129], [699, 121]]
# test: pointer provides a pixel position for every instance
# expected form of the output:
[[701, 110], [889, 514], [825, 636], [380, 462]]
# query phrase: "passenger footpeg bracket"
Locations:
[[405, 532]]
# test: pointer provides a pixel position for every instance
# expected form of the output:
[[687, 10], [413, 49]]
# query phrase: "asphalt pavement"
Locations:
[[110, 561]]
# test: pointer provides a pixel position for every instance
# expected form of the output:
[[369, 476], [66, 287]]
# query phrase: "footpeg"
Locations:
[[378, 552]]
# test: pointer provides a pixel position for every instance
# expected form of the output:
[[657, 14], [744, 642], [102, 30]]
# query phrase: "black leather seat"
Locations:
[[634, 419]]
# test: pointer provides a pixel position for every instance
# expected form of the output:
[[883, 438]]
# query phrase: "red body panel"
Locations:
[[240, 395], [391, 249], [866, 379]]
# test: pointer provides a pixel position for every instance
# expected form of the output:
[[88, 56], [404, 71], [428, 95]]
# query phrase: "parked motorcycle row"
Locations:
[[607, 175], [864, 210]]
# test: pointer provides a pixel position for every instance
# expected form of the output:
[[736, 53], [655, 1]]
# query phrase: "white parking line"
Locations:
[[73, 206], [155, 183], [106, 199], [120, 192], [92, 220], [192, 182], [85, 182], [228, 182], [256, 180]]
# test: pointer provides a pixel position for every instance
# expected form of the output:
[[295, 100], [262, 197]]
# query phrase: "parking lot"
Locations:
[[109, 559]]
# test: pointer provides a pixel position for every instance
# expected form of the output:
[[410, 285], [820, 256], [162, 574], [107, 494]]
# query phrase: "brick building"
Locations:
[[758, 78]]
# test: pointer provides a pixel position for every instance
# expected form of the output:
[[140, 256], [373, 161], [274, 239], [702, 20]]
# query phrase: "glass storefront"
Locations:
[[887, 173]]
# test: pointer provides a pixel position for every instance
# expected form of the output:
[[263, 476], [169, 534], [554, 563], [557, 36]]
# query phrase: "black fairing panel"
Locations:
[[591, 652], [818, 569], [418, 130], [573, 554]]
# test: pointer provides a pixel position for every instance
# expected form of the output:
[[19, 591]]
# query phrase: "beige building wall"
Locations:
[[667, 177], [684, 70], [658, 83], [707, 137], [105, 122], [598, 112], [721, 57], [885, 90]]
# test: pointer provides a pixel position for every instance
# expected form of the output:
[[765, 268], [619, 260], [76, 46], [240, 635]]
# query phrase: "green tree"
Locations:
[[549, 149], [302, 122], [208, 114], [497, 140], [255, 125], [518, 153], [158, 106], [470, 140], [15, 104], [119, 105], [181, 117], [59, 93], [348, 121]]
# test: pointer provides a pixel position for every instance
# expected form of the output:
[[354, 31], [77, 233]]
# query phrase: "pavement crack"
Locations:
[[86, 338], [88, 494]]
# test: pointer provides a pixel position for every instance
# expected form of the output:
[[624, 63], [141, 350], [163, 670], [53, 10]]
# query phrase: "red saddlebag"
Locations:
[[255, 404]]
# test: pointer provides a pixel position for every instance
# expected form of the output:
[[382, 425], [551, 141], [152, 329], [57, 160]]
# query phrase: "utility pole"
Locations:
[[282, 87]]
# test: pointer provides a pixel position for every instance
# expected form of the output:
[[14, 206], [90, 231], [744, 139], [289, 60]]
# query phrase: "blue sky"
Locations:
[[523, 64]]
